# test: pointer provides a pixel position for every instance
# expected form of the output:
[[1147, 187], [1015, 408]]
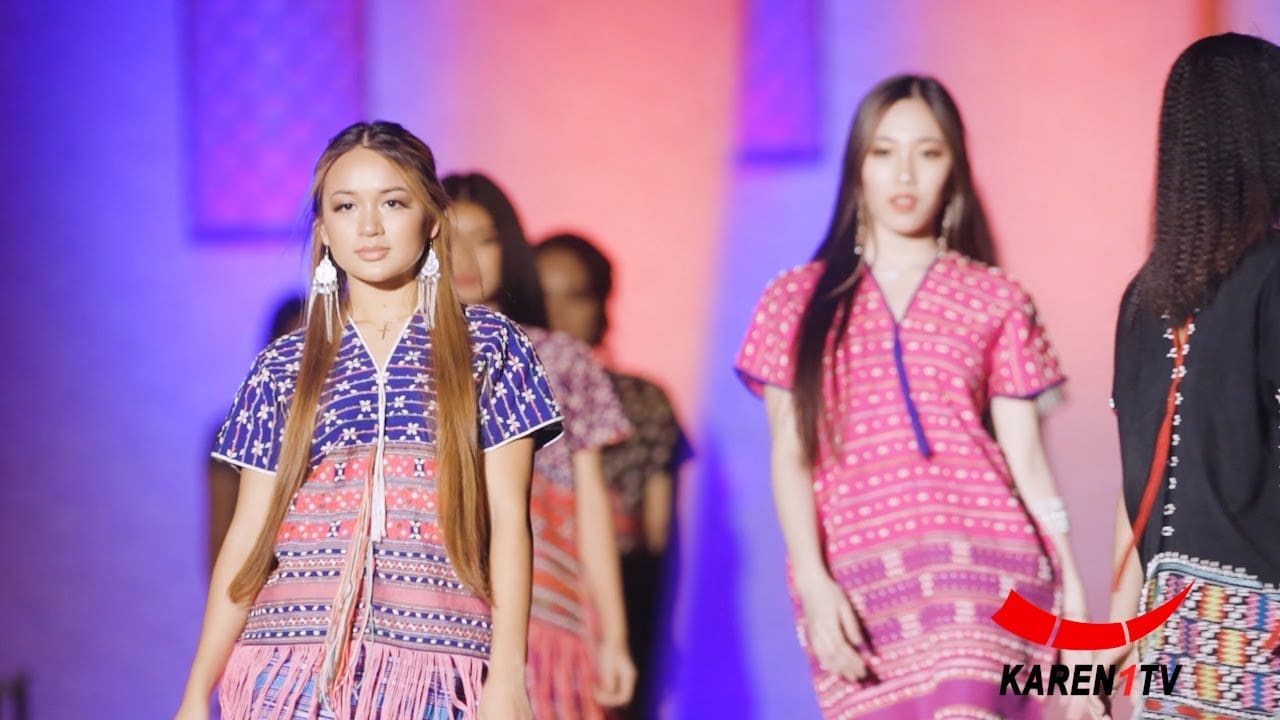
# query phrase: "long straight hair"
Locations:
[[520, 295], [1217, 171], [826, 315], [462, 500]]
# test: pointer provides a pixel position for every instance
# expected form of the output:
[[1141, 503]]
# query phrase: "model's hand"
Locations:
[[833, 628], [616, 674], [504, 697]]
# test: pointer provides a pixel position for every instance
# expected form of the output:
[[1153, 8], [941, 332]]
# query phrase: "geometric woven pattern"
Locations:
[[269, 83], [1217, 636], [779, 110]]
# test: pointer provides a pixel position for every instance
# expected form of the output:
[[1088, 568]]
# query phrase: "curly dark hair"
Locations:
[[826, 317], [1217, 173]]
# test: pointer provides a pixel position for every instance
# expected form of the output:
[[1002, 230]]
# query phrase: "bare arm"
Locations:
[[223, 618], [793, 489], [1124, 597], [598, 545], [598, 549], [1017, 425], [832, 628], [656, 509], [507, 474], [224, 485], [507, 471]]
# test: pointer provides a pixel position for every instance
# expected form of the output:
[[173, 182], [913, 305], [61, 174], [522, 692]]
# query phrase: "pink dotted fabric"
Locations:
[[927, 548]]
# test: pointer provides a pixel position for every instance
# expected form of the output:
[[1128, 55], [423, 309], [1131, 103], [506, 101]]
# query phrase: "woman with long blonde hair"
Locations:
[[378, 563]]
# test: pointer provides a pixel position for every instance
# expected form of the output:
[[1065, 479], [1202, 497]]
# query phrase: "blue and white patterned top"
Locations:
[[514, 396], [374, 444]]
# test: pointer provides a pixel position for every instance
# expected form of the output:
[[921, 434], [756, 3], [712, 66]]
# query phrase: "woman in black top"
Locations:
[[1196, 391]]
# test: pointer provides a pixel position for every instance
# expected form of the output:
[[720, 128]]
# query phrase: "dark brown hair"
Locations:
[[826, 316], [1217, 172], [520, 296]]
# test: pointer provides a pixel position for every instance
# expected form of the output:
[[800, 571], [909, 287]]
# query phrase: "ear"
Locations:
[[435, 229], [324, 235]]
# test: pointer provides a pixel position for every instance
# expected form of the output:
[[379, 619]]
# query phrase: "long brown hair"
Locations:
[[826, 316], [462, 501], [520, 295], [1217, 170]]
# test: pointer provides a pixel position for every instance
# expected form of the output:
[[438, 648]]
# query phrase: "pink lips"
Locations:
[[372, 253], [903, 203]]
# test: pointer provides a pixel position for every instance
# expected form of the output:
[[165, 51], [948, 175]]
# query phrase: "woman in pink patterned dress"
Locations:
[[906, 521], [579, 662]]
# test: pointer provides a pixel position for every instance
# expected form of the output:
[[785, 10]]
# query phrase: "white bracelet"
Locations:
[[1050, 514]]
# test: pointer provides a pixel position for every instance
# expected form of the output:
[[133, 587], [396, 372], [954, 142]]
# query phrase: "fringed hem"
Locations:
[[561, 674], [279, 682]]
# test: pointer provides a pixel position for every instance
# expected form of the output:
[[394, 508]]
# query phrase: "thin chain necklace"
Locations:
[[386, 326]]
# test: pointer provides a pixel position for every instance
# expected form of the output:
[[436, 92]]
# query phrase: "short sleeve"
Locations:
[[250, 436], [667, 445], [515, 397], [1023, 363], [768, 350], [593, 415]]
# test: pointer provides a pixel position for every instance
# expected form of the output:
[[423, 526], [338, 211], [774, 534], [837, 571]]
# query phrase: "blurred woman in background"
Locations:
[[579, 662], [641, 471]]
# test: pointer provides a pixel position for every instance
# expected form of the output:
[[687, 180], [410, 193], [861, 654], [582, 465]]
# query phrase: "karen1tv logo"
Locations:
[[1029, 622]]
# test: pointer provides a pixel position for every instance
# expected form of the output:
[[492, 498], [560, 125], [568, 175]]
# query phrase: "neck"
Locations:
[[381, 305], [887, 248]]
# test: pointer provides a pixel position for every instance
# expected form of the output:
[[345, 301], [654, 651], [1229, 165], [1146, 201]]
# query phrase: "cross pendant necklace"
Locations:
[[382, 331]]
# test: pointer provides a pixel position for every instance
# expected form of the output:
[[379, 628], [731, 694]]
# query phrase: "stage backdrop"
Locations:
[[156, 158]]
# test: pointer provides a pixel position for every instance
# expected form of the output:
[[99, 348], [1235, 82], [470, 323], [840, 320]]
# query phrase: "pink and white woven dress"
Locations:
[[919, 517]]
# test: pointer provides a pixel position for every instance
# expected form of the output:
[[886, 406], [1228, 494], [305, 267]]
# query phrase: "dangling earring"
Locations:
[[860, 233], [324, 283], [428, 280], [950, 218]]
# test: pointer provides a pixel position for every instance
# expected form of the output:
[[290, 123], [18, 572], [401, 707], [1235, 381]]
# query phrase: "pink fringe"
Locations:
[[405, 676], [561, 674]]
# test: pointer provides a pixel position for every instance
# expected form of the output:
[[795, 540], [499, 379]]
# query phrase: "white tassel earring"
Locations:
[[324, 285], [428, 281]]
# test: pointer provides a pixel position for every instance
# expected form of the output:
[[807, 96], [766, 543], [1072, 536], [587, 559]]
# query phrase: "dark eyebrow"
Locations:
[[886, 138], [397, 188]]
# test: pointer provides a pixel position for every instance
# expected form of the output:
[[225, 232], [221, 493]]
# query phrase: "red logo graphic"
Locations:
[[1029, 622]]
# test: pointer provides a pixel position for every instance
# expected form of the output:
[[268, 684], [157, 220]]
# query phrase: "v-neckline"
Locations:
[[911, 299], [391, 352]]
